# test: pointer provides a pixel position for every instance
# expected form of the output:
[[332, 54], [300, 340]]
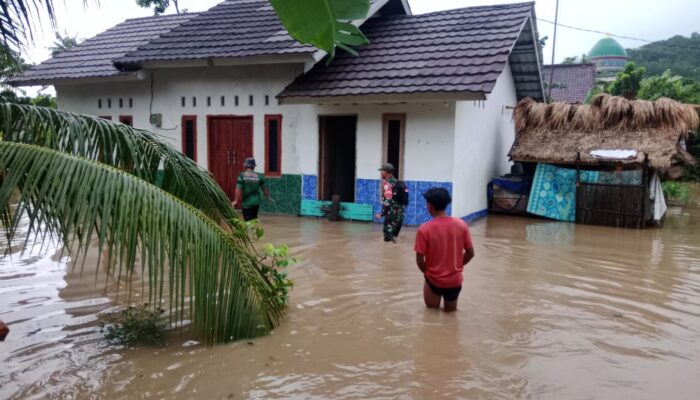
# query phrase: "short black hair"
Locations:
[[439, 198]]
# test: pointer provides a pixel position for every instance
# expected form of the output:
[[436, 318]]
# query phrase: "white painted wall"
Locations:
[[428, 143], [465, 142], [169, 85], [484, 133]]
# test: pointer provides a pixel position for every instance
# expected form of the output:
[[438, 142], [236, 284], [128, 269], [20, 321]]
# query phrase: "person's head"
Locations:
[[386, 170], [437, 200], [249, 163]]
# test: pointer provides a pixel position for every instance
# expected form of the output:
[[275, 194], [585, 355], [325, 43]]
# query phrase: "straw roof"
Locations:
[[558, 132]]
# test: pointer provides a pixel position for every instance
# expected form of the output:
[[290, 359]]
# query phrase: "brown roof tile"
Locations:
[[93, 57], [461, 50], [571, 83]]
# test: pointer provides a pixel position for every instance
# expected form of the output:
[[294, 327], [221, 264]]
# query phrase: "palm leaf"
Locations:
[[206, 271], [136, 151]]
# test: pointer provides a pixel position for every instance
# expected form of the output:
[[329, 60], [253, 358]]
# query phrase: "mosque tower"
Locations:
[[609, 57]]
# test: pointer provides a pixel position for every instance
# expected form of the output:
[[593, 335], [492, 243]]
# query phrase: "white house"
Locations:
[[431, 93]]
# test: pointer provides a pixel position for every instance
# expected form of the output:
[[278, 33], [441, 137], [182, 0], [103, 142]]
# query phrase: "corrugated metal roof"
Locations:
[[93, 57], [571, 83], [461, 50]]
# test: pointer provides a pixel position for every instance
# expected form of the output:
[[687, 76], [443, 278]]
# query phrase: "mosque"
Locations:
[[609, 58]]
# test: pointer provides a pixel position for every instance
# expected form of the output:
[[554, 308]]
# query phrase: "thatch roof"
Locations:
[[557, 132]]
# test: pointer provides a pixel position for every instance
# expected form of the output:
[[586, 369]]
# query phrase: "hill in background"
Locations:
[[680, 54]]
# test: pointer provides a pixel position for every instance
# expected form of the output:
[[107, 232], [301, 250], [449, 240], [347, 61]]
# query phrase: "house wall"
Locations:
[[484, 134], [169, 85], [428, 149], [445, 142]]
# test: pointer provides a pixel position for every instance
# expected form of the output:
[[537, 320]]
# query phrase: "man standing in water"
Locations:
[[248, 188], [443, 247], [392, 203]]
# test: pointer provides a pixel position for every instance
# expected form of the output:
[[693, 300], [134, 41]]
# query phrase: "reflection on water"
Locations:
[[549, 311]]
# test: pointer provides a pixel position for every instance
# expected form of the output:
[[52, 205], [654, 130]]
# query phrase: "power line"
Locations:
[[594, 31], [617, 36]]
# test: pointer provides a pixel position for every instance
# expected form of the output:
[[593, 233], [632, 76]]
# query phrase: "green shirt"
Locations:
[[251, 183]]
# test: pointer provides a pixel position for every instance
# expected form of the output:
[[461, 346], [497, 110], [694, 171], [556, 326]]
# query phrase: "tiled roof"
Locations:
[[234, 28], [571, 83], [93, 57], [461, 50]]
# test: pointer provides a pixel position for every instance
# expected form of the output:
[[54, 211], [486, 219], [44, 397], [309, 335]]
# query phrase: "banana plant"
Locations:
[[325, 24], [153, 213]]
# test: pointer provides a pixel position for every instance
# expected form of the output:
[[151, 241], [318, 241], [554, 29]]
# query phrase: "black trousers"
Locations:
[[250, 213]]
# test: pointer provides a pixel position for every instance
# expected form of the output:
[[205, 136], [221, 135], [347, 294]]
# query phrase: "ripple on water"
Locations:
[[548, 311]]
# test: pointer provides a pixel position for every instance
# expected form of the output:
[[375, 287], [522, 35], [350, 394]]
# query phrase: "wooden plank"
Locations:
[[352, 211], [357, 212]]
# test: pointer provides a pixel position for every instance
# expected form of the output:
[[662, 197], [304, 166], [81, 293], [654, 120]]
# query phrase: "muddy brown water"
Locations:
[[549, 311]]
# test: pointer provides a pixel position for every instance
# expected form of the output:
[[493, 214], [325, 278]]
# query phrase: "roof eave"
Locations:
[[415, 97], [24, 82]]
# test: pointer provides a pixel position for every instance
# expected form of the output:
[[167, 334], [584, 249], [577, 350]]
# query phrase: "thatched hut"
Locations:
[[610, 133]]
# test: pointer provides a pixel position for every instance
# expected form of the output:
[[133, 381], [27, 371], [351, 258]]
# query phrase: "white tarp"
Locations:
[[615, 154]]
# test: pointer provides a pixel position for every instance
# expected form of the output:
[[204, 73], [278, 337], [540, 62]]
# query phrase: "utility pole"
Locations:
[[554, 47]]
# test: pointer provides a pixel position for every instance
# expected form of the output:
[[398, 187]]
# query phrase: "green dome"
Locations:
[[607, 47]]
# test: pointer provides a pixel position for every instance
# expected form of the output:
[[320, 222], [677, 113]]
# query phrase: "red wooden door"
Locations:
[[230, 143]]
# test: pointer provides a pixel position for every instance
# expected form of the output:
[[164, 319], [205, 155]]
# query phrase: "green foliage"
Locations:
[[676, 191], [159, 6], [324, 24], [89, 181], [42, 100], [671, 86], [678, 53], [583, 59], [595, 90], [627, 82], [62, 43], [134, 326]]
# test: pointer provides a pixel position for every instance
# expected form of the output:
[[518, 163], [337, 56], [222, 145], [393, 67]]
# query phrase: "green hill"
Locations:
[[680, 54]]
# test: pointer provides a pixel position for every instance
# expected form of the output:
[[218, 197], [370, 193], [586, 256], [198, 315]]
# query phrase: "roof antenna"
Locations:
[[554, 46]]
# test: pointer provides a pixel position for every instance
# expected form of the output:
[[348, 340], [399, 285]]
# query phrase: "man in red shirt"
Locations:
[[443, 247]]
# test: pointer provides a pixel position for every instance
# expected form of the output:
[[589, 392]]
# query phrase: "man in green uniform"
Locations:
[[248, 188], [392, 208]]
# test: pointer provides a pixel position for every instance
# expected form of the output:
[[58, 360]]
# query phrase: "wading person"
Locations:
[[249, 186], [443, 247], [394, 200]]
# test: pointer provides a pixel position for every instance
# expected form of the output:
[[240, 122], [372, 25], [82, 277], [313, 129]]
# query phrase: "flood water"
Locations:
[[549, 311]]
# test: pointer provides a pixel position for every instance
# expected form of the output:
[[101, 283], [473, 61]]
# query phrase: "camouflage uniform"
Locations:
[[391, 211]]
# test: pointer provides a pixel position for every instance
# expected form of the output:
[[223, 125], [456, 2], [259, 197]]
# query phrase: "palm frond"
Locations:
[[203, 266], [136, 151]]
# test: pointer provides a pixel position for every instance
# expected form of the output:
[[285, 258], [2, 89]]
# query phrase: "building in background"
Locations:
[[571, 83], [609, 57]]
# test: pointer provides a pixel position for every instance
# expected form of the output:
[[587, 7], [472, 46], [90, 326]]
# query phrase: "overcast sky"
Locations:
[[645, 19]]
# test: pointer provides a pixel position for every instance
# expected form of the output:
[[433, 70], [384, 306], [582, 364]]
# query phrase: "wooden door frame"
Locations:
[[385, 140], [278, 118], [210, 118], [183, 133], [124, 118], [321, 134]]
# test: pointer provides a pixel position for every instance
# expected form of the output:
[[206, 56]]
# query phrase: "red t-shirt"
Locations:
[[442, 241]]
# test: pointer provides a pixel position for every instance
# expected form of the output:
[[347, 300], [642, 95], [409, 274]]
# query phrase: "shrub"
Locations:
[[676, 191], [135, 325]]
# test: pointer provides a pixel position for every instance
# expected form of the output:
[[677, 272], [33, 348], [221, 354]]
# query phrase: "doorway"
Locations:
[[337, 145], [230, 142], [394, 137]]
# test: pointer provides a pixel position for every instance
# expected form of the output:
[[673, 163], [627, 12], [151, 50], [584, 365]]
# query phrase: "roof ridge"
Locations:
[[161, 16], [491, 6], [569, 65]]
